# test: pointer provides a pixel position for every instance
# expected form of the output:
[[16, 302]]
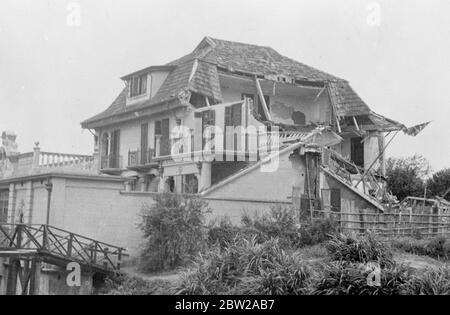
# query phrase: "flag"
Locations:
[[415, 130]]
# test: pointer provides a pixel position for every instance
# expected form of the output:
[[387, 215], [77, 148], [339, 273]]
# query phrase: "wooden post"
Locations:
[[13, 269], [35, 276], [45, 238], [69, 246]]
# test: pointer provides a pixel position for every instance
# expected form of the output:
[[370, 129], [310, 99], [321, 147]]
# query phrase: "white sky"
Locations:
[[53, 75]]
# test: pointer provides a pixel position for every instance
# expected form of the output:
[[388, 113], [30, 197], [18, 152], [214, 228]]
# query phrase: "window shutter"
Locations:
[[228, 116], [143, 84]]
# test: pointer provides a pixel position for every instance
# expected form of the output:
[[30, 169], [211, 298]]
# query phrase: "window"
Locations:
[[357, 152], [331, 199], [4, 197], [190, 184], [162, 128], [138, 85]]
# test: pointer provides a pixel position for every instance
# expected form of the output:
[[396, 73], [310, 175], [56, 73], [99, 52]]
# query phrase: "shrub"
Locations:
[[317, 232], [222, 232], [281, 222], [431, 282], [359, 250], [346, 278], [173, 229], [245, 267], [436, 247], [289, 279]]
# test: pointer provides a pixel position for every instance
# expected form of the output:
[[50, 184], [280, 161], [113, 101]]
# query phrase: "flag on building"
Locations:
[[415, 130]]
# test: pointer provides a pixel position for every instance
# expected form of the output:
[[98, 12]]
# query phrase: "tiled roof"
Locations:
[[346, 101], [172, 86], [206, 81], [260, 59], [198, 72]]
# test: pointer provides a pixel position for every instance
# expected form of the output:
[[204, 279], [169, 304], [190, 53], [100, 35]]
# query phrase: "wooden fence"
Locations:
[[425, 221]]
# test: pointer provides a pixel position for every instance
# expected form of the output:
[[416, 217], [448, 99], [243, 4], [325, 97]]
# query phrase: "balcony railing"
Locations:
[[111, 162], [140, 158]]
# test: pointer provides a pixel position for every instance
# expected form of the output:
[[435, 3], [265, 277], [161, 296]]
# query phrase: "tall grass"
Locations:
[[346, 278], [246, 267], [431, 282], [437, 247], [362, 249]]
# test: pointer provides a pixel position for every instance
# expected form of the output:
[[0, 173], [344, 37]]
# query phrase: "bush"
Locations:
[[317, 232], [359, 250], [431, 282], [174, 231], [345, 278], [435, 248], [222, 233], [289, 279], [245, 267], [281, 222]]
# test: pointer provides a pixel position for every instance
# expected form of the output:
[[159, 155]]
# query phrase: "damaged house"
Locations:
[[244, 127]]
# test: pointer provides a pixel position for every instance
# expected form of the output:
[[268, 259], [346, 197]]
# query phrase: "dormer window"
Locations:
[[138, 85]]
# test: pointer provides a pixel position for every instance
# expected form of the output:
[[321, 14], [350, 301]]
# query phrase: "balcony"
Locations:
[[141, 159], [111, 164]]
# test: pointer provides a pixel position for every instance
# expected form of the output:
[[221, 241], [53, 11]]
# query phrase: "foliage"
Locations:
[[362, 249], [405, 176], [317, 232], [124, 285], [245, 267], [222, 232], [435, 247], [439, 183], [281, 279], [346, 278], [281, 222], [431, 282], [173, 229]]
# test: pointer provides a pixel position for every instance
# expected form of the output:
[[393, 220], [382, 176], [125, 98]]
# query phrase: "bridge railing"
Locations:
[[61, 244]]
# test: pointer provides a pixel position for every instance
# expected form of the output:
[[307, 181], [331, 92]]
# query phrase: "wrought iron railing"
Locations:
[[140, 158]]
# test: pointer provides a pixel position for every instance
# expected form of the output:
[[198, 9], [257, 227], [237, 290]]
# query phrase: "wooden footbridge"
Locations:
[[29, 246]]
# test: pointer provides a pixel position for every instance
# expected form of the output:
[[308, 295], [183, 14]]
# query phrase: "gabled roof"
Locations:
[[198, 72]]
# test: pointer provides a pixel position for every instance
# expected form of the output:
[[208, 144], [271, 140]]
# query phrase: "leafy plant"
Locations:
[[319, 231], [362, 249], [173, 229], [346, 278], [222, 232], [435, 247], [281, 222], [244, 267], [431, 282]]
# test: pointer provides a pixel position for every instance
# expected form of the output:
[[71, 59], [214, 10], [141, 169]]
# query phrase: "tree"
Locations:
[[439, 183], [406, 176]]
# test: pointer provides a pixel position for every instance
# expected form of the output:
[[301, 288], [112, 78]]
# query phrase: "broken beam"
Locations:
[[263, 100]]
